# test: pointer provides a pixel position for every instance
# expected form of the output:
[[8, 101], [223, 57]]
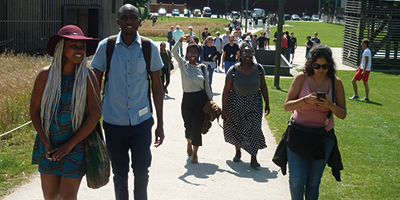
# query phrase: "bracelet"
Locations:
[[304, 99]]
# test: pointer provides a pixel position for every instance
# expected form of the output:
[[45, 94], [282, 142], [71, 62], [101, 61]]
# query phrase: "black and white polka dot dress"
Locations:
[[242, 126]]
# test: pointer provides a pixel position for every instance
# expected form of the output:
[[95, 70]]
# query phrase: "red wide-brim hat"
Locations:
[[74, 33]]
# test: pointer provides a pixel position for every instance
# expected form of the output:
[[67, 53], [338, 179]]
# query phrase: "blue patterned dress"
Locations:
[[73, 164]]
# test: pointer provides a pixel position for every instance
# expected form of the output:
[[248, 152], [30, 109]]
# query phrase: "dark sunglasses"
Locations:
[[317, 66]]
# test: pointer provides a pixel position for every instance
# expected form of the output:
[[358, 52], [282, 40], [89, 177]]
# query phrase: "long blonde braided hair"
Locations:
[[52, 92]]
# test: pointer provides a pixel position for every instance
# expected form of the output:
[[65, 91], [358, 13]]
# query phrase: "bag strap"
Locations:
[[146, 48], [333, 99]]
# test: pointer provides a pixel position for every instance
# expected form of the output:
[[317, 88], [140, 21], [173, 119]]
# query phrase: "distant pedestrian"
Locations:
[[171, 39], [219, 44], [191, 34], [262, 41], [316, 39], [205, 34], [250, 24], [363, 71], [230, 26], [225, 37], [309, 45], [264, 21], [65, 108], [210, 54], [289, 44], [255, 19], [293, 47], [254, 42], [196, 92], [178, 34], [166, 57], [154, 19], [230, 55], [284, 45], [268, 35], [242, 105]]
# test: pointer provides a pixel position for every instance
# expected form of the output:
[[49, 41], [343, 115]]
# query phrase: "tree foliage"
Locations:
[[271, 2], [223, 1], [136, 3]]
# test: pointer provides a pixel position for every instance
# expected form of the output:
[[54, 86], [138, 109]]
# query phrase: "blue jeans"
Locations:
[[180, 50], [288, 54], [228, 64], [137, 139], [171, 44], [305, 173]]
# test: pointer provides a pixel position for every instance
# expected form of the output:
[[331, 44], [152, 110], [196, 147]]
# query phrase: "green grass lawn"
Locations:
[[15, 158], [369, 138], [330, 34]]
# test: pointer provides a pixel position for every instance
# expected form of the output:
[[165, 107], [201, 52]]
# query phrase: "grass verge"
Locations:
[[368, 138], [17, 76], [159, 31], [330, 34]]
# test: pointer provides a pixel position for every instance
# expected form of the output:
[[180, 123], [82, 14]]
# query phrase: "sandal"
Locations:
[[194, 160]]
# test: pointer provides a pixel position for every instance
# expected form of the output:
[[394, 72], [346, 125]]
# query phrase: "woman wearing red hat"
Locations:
[[65, 108]]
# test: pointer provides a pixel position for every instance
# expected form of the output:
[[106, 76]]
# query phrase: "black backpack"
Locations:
[[146, 48]]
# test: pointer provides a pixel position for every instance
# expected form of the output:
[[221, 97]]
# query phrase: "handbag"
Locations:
[[97, 159], [308, 141]]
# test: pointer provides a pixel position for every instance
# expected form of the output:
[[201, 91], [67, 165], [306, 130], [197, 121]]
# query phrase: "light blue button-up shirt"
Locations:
[[125, 101]]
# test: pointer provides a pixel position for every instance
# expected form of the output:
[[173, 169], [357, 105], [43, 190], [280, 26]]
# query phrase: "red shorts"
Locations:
[[359, 75]]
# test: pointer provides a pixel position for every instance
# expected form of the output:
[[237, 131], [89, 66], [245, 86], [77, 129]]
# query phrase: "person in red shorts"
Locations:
[[363, 71]]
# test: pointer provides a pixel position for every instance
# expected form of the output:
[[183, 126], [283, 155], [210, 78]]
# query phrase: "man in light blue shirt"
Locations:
[[126, 105], [178, 34]]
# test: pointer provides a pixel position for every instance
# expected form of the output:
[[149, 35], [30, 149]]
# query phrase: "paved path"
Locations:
[[172, 176]]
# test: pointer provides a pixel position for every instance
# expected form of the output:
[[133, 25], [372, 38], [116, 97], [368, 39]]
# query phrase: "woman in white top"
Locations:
[[196, 92]]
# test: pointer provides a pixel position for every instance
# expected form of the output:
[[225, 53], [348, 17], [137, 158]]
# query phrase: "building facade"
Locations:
[[25, 26]]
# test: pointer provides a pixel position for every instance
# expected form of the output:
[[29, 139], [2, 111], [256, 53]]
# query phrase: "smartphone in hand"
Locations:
[[321, 95]]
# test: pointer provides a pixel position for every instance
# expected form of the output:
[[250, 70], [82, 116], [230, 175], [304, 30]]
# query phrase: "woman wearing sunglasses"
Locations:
[[242, 105], [196, 92], [312, 111]]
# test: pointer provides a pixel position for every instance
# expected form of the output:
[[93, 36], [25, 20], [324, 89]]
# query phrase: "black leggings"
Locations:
[[193, 115], [167, 74]]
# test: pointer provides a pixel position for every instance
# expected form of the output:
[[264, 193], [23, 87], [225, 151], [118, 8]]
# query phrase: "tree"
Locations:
[[136, 3], [271, 2], [223, 1]]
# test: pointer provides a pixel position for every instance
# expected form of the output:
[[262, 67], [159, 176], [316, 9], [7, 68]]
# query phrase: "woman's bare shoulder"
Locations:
[[43, 74]]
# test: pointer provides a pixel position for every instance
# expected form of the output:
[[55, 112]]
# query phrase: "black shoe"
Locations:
[[237, 157], [254, 162], [165, 91]]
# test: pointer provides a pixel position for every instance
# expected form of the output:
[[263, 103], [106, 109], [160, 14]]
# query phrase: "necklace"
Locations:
[[316, 83]]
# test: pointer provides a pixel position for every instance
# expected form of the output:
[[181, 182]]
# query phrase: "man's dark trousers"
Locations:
[[171, 44], [137, 139]]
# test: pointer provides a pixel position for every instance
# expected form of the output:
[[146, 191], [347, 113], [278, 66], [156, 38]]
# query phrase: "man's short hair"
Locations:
[[366, 41]]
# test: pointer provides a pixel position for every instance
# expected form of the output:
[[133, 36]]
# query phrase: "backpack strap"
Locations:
[[146, 48], [109, 52]]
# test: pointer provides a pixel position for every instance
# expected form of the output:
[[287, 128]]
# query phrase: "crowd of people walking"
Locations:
[[64, 117]]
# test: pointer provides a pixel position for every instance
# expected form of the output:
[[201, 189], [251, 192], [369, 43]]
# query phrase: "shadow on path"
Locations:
[[243, 170], [199, 170], [167, 97]]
